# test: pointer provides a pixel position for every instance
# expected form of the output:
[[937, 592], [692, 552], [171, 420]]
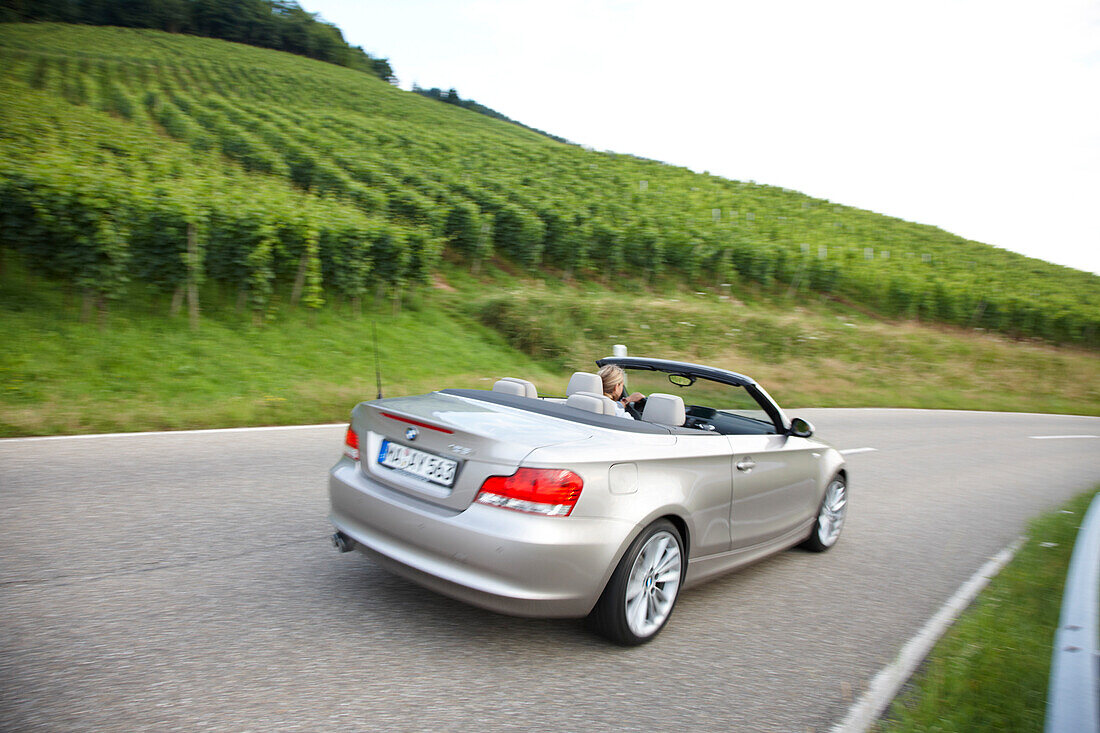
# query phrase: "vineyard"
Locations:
[[185, 166]]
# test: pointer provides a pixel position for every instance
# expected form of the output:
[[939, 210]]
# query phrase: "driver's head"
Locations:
[[614, 380]]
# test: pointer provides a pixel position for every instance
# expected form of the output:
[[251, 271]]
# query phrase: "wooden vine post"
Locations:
[[192, 277]]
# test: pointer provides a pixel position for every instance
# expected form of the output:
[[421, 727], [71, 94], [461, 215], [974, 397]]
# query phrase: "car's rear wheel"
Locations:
[[639, 597], [830, 516]]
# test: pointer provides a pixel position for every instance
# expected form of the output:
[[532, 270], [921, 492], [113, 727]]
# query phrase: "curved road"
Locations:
[[185, 582]]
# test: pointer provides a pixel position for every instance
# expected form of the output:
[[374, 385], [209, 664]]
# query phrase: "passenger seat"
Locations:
[[665, 409]]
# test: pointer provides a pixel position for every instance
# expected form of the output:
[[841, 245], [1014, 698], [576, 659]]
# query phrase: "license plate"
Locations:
[[433, 468]]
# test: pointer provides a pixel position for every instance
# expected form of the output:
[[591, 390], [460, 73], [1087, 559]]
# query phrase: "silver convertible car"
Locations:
[[558, 507]]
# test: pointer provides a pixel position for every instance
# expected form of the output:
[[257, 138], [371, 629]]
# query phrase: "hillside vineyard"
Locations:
[[139, 158]]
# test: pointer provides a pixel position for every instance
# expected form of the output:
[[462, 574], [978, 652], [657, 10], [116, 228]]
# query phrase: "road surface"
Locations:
[[186, 582]]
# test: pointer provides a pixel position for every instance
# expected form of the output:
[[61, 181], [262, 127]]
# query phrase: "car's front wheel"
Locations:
[[830, 516], [638, 599]]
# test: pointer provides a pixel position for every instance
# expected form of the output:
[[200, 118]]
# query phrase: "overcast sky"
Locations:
[[982, 118]]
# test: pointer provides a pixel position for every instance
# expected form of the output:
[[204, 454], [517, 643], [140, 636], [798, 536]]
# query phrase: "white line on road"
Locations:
[[1060, 437], [850, 451], [174, 432], [886, 684], [972, 412]]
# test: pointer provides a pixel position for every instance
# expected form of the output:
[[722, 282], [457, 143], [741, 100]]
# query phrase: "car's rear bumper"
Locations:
[[502, 560]]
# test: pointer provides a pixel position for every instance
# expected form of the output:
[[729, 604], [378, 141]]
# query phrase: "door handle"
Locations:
[[746, 464]]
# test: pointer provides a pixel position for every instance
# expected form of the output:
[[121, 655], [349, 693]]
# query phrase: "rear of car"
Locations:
[[449, 492]]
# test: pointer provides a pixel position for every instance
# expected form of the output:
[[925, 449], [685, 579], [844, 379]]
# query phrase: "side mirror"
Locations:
[[801, 428]]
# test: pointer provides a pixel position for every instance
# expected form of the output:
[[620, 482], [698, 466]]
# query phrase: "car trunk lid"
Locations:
[[408, 444]]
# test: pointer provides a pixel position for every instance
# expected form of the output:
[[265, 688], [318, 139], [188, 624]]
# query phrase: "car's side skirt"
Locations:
[[701, 569]]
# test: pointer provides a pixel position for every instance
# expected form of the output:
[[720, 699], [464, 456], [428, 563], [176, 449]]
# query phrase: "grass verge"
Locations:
[[145, 370], [806, 351], [990, 670]]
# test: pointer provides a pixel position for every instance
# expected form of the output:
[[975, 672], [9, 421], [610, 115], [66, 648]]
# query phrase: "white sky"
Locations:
[[980, 117]]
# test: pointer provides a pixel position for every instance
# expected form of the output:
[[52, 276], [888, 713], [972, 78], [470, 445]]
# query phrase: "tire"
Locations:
[[640, 596], [830, 516]]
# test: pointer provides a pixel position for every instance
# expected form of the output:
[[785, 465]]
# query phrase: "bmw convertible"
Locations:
[[559, 507]]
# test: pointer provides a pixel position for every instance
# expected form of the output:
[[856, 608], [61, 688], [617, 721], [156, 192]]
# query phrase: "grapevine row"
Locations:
[[318, 170]]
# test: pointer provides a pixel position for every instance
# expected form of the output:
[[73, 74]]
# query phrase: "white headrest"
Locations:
[[664, 409], [607, 402], [584, 382], [510, 388], [589, 402], [528, 387]]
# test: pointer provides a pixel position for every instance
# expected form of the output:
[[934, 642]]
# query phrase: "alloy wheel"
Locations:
[[833, 509], [653, 584]]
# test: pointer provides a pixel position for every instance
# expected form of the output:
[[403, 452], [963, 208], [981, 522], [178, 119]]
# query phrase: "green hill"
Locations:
[[137, 160]]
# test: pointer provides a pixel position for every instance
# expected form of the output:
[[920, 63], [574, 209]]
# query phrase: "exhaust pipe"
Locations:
[[342, 542]]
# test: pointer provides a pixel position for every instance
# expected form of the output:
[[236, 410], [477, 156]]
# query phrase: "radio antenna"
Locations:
[[377, 368]]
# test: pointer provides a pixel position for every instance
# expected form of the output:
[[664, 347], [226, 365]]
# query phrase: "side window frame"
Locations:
[[769, 407]]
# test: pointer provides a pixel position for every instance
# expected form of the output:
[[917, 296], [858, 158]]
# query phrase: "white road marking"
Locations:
[[974, 412], [173, 432], [1060, 437], [850, 451], [886, 684]]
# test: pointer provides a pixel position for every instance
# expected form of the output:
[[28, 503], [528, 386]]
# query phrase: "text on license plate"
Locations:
[[425, 465]]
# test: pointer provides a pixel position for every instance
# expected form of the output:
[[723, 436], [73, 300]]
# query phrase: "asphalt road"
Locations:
[[186, 582]]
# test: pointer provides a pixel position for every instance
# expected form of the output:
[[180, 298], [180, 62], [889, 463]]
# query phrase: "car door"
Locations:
[[774, 487], [702, 467]]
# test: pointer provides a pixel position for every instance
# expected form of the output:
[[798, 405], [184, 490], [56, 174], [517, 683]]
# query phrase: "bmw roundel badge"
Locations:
[[411, 433]]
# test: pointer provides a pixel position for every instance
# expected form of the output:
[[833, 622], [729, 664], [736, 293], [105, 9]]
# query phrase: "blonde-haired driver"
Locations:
[[614, 384]]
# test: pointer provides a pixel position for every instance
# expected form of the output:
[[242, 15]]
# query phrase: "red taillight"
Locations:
[[550, 491], [351, 444]]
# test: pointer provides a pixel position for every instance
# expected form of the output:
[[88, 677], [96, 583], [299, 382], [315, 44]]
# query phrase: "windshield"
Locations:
[[704, 398]]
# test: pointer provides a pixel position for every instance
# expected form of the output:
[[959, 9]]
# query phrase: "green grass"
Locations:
[[144, 370], [990, 671], [148, 372], [806, 351]]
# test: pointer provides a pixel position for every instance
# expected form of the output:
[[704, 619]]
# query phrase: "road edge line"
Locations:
[[206, 431], [886, 684]]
